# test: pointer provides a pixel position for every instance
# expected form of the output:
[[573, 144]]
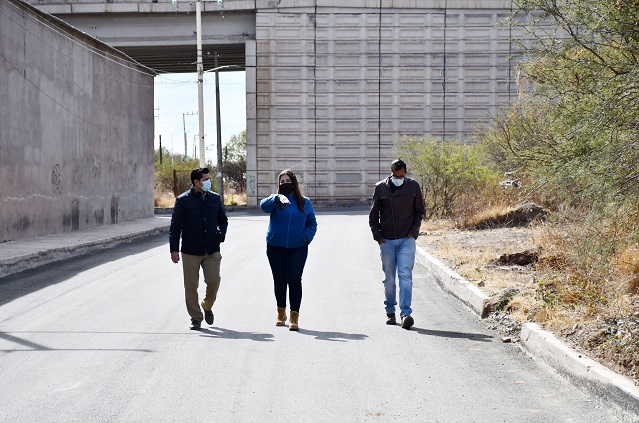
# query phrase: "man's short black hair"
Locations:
[[397, 165], [196, 174]]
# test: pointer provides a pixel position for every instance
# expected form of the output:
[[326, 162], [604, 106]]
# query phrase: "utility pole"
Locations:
[[220, 178], [200, 78], [160, 148], [184, 127]]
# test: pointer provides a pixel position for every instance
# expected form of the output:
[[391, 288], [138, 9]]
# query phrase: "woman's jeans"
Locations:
[[398, 257], [287, 265]]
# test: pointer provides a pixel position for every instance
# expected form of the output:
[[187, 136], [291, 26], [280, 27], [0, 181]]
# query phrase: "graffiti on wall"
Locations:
[[252, 186], [56, 180]]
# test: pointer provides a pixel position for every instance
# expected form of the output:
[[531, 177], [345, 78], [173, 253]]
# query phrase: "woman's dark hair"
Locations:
[[296, 188], [196, 174]]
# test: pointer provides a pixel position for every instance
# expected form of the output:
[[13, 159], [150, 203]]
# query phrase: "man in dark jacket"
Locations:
[[395, 217], [199, 217]]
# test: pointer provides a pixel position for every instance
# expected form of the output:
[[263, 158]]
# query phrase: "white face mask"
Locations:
[[397, 181], [206, 185]]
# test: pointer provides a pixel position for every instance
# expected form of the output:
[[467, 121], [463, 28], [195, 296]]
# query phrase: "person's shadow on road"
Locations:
[[232, 334], [333, 336], [455, 335]]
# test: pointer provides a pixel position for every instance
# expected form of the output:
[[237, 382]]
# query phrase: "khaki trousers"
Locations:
[[191, 268]]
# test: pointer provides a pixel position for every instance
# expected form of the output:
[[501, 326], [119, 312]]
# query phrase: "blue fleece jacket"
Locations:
[[288, 226]]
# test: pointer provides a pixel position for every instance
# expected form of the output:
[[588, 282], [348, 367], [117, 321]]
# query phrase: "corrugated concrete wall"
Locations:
[[338, 83], [76, 129]]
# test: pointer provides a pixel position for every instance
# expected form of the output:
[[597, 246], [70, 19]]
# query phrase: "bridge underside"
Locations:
[[179, 59]]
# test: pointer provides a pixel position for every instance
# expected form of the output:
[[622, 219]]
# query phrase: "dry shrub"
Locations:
[[521, 306], [485, 201], [550, 262], [164, 199], [233, 198], [632, 285], [588, 268], [494, 212], [434, 224], [628, 265], [488, 201]]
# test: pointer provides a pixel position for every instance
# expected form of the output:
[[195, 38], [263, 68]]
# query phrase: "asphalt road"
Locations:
[[105, 338]]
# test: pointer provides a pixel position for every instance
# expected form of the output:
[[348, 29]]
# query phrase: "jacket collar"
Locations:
[[197, 194]]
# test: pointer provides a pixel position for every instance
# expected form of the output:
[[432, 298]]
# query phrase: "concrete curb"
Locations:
[[453, 283], [616, 393], [19, 263], [228, 209]]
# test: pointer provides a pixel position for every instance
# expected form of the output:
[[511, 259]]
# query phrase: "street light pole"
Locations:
[[218, 121], [200, 78], [218, 124]]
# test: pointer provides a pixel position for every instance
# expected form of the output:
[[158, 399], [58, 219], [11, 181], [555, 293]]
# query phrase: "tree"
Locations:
[[235, 148], [234, 163], [577, 127], [174, 173]]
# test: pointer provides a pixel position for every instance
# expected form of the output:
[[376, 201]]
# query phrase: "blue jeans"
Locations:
[[398, 257], [287, 266]]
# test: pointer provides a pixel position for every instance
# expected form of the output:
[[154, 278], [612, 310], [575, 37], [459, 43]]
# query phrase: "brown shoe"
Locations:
[[295, 315], [281, 316]]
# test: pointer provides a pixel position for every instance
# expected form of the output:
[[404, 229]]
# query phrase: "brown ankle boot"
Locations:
[[281, 316], [295, 315]]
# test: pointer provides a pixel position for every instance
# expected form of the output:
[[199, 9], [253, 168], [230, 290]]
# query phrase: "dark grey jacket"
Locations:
[[394, 215]]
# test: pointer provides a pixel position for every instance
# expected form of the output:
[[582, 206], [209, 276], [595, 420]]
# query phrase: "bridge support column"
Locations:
[[251, 124]]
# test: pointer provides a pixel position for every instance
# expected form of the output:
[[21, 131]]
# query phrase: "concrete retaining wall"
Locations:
[[76, 129]]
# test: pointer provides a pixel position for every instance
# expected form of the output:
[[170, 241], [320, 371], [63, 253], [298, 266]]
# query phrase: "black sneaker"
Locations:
[[391, 320], [195, 324], [208, 316], [407, 322]]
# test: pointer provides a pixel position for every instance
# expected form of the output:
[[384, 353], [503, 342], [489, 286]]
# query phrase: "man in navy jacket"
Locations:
[[199, 217]]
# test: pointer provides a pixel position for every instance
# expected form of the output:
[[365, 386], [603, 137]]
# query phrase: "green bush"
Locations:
[[447, 171]]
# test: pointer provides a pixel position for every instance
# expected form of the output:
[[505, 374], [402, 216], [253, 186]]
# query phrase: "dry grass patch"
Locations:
[[233, 198], [164, 199], [628, 264], [167, 199], [584, 288], [472, 253], [491, 213]]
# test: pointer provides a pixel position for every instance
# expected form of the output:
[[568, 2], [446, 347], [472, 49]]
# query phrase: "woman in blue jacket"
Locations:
[[291, 228]]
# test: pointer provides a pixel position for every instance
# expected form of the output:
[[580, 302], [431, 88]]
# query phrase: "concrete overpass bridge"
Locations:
[[331, 84]]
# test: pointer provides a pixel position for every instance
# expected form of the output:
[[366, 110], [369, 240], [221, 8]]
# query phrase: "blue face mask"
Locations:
[[206, 185], [397, 181]]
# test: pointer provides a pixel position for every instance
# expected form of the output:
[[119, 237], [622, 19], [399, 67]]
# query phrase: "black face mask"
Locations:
[[286, 188]]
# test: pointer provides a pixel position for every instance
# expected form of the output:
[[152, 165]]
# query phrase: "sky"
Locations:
[[176, 94]]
